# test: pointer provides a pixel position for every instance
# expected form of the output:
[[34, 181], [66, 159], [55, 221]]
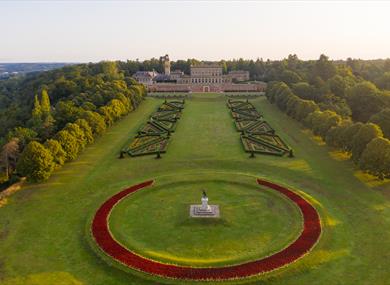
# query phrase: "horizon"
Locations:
[[81, 32]]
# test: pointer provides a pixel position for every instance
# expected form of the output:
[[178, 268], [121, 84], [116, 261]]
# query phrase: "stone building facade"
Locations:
[[202, 78]]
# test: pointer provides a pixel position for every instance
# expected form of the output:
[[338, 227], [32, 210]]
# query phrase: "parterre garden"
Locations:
[[307, 220], [154, 136], [257, 136]]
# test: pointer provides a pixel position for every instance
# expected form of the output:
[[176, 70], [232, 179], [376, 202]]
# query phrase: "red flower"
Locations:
[[304, 243]]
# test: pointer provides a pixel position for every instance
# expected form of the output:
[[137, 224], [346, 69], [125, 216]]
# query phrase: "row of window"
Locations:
[[208, 80], [206, 73]]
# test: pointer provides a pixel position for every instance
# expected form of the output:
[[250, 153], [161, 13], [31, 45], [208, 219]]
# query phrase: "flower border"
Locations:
[[302, 245]]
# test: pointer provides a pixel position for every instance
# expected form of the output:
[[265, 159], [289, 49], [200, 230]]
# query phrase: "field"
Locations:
[[44, 228]]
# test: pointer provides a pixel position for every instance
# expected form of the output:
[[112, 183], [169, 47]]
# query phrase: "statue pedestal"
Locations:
[[205, 210], [196, 211]]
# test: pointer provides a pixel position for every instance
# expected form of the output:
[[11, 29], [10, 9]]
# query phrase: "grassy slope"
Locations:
[[42, 229]]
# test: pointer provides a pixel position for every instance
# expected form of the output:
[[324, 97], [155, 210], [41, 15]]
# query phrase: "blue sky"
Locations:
[[80, 31]]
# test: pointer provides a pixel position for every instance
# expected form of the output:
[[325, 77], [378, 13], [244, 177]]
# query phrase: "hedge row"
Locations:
[[364, 141], [38, 161]]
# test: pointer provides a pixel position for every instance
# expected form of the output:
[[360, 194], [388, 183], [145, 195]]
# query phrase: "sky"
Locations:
[[90, 31]]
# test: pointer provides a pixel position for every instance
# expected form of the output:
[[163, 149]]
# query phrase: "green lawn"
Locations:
[[43, 227], [253, 224]]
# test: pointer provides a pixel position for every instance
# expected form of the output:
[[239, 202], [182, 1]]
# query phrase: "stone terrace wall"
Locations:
[[226, 87]]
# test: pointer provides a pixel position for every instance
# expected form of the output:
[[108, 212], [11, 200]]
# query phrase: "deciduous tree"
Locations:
[[55, 148], [365, 134], [36, 162], [376, 157]]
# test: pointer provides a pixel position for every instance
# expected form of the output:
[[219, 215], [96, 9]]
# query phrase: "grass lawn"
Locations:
[[43, 227], [254, 223]]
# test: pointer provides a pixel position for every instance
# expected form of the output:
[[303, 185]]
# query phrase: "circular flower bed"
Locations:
[[303, 244]]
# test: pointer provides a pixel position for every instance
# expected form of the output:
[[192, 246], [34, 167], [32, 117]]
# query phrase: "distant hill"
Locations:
[[12, 69]]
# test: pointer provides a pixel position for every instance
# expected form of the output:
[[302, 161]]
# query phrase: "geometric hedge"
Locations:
[[153, 137], [257, 136]]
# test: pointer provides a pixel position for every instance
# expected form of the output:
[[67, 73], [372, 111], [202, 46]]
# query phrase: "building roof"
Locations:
[[206, 65], [149, 74], [162, 77], [177, 71]]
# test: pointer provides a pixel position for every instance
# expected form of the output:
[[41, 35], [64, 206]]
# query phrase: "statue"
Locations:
[[204, 210], [205, 201]]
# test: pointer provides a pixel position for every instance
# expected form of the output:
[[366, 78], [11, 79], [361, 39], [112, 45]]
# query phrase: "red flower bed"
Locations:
[[309, 236]]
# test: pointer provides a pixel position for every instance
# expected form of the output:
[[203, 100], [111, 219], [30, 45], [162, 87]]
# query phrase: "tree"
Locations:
[[324, 68], [382, 119], [36, 162], [109, 69], [304, 108], [36, 115], [68, 143], [383, 82], [88, 106], [335, 104], [47, 118], [320, 122], [375, 158], [65, 112], [55, 148], [78, 133], [304, 90], [365, 134], [24, 136], [106, 113], [348, 134], [95, 121], [335, 137], [84, 126], [45, 103], [290, 77], [364, 100], [9, 154], [338, 85]]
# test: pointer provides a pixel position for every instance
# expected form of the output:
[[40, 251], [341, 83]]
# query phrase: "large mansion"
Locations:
[[202, 78]]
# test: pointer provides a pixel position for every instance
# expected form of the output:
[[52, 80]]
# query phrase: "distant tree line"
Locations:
[[290, 69], [49, 118], [348, 111]]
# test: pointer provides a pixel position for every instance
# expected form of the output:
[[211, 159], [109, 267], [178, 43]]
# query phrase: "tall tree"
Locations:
[[47, 118], [45, 103], [36, 116]]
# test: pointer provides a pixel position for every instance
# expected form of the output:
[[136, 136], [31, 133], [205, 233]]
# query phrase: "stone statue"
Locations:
[[204, 210], [205, 201]]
